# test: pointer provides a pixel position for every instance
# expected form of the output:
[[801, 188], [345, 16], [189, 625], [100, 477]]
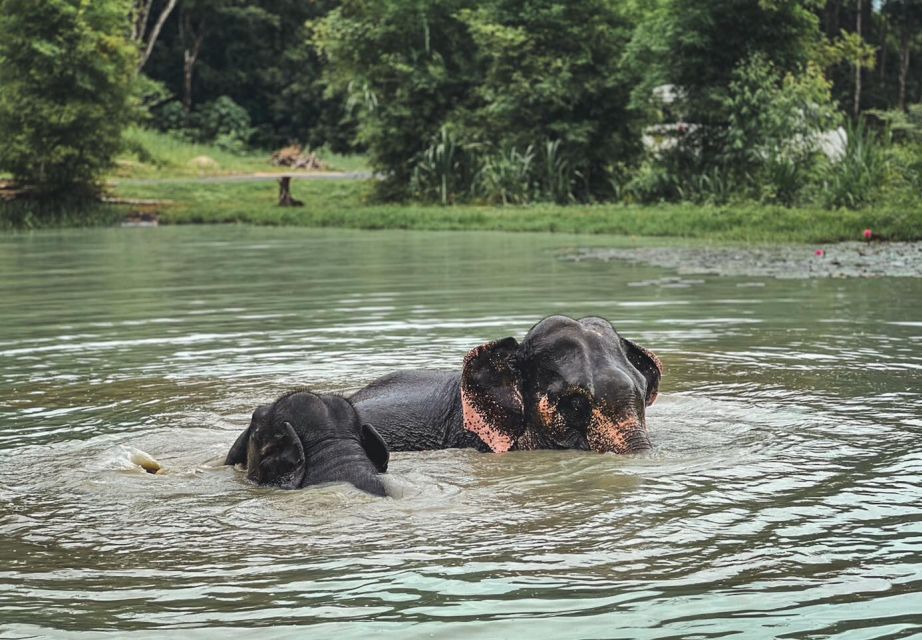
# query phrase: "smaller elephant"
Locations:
[[304, 439]]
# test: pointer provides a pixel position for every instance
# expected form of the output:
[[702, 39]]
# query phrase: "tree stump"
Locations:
[[285, 198]]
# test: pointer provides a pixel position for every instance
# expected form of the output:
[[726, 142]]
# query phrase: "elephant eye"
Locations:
[[576, 409]]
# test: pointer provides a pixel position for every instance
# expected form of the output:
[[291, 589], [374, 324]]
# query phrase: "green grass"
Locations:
[[343, 204], [29, 214], [153, 155]]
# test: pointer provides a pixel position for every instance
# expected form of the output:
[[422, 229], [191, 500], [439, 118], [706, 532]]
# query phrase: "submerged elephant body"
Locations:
[[306, 439], [568, 385], [419, 411]]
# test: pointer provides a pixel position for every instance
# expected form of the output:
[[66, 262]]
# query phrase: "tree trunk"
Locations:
[[188, 63], [856, 108], [904, 66], [192, 46], [285, 198], [882, 67], [141, 14], [832, 18]]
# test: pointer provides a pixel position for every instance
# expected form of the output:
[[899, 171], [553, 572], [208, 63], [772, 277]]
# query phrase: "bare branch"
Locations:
[[148, 40]]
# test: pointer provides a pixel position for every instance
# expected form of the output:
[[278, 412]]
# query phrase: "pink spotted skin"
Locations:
[[479, 417], [488, 414], [476, 423], [605, 434], [608, 435], [659, 367], [546, 411]]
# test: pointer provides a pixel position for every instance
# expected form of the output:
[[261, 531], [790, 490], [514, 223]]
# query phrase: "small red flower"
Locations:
[[820, 253], [867, 234]]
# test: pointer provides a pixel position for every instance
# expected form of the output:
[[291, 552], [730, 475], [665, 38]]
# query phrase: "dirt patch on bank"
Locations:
[[844, 260]]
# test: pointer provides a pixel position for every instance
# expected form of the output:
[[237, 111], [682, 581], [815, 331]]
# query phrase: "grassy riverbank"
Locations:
[[171, 172], [153, 155], [344, 204]]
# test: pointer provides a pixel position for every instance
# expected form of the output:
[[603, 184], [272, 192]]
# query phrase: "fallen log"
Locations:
[[8, 191], [294, 156]]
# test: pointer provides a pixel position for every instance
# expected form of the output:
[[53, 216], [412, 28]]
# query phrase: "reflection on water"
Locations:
[[783, 497]]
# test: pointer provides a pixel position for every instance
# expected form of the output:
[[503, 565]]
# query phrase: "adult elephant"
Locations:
[[570, 384]]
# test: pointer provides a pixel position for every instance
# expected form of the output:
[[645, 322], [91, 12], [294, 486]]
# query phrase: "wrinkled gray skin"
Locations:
[[304, 439], [569, 385]]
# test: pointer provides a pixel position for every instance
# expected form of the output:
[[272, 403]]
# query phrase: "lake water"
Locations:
[[783, 496]]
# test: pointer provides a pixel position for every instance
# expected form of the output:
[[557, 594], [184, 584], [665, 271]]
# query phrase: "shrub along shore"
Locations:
[[162, 169], [689, 118], [345, 204]]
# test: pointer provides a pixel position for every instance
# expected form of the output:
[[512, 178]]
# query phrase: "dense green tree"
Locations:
[[257, 53], [404, 65], [889, 42], [775, 126], [551, 72], [703, 42], [906, 18], [516, 85], [66, 73]]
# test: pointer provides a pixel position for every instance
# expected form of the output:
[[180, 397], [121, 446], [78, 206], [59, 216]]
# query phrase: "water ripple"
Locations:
[[781, 499]]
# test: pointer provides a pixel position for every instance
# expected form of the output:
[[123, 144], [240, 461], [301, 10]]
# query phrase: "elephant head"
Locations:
[[304, 438], [569, 385]]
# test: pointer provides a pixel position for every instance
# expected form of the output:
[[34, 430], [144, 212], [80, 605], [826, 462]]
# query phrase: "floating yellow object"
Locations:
[[143, 460]]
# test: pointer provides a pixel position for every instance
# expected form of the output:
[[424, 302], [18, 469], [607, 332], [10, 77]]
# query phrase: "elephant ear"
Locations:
[[491, 394], [648, 364], [238, 450], [375, 447], [275, 456]]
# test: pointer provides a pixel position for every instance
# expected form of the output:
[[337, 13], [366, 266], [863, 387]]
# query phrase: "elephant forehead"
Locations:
[[573, 355], [559, 348], [565, 336], [309, 413], [299, 403]]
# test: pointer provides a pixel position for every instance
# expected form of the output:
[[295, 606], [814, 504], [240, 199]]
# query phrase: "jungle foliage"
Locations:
[[485, 101], [513, 101], [66, 77]]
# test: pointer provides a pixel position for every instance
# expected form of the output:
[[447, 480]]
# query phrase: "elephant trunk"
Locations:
[[622, 434], [342, 460]]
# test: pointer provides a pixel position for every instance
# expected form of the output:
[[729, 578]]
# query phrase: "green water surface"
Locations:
[[783, 497]]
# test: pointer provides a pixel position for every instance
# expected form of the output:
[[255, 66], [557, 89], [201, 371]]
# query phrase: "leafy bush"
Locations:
[[652, 181], [775, 123], [504, 75], [769, 150], [506, 177], [443, 171], [172, 118], [222, 122], [904, 155], [857, 179], [67, 71], [449, 171]]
